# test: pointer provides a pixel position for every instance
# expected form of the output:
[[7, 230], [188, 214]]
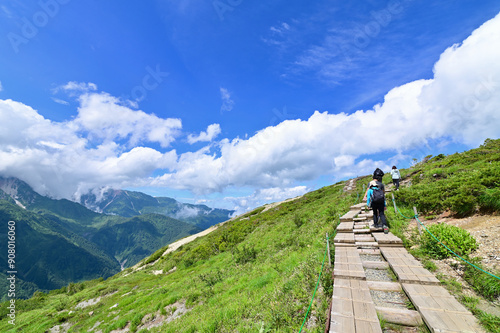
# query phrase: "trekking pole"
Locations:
[[394, 202]]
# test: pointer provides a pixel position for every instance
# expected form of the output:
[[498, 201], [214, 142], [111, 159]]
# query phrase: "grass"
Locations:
[[252, 274], [257, 273]]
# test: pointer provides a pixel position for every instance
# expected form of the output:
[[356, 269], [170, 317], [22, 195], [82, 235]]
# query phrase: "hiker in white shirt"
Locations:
[[396, 176]]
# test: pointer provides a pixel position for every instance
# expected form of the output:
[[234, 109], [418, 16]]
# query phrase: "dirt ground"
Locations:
[[486, 230]]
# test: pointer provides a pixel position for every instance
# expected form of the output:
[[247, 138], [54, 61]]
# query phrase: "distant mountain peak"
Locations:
[[19, 191]]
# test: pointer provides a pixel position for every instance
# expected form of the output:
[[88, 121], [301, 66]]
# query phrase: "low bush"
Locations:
[[455, 238], [483, 283], [244, 254]]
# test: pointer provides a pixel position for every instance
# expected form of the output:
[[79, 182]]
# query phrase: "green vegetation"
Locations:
[[456, 239], [463, 183], [255, 273], [64, 242]]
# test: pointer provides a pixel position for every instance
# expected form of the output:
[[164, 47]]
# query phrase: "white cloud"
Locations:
[[187, 212], [66, 159], [94, 149], [60, 101], [103, 116], [227, 102], [211, 133], [264, 196], [73, 87], [461, 102], [280, 29]]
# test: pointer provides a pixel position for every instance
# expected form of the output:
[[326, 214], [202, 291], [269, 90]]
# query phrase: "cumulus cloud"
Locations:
[[102, 144], [264, 196], [211, 133], [227, 102], [64, 159], [103, 116], [460, 103]]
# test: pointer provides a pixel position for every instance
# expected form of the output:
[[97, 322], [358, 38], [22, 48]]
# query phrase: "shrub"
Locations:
[[457, 239], [245, 254], [490, 200], [298, 221], [483, 283]]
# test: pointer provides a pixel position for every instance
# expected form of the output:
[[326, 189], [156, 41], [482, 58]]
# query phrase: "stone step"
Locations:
[[353, 309], [387, 239], [403, 317], [358, 206], [440, 310], [345, 227], [375, 264], [347, 217]]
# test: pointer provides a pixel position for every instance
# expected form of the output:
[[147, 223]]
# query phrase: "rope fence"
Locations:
[[439, 241], [317, 283]]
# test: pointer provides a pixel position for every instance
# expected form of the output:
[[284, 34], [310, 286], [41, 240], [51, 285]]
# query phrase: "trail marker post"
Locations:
[[328, 250]]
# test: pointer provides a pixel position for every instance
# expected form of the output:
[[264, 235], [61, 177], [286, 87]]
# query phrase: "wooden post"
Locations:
[[418, 224], [394, 202], [328, 250]]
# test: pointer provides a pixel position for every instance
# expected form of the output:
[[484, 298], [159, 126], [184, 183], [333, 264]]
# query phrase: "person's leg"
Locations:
[[378, 211], [397, 184], [375, 217], [382, 220]]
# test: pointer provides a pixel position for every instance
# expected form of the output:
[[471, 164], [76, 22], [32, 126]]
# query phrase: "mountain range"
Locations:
[[60, 241]]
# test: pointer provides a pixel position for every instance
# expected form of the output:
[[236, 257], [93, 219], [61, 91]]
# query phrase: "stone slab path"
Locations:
[[353, 309]]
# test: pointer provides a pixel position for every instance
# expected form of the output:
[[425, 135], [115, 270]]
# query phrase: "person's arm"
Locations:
[[366, 195]]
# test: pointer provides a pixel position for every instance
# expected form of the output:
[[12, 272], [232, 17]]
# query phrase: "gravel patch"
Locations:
[[371, 257], [389, 299], [377, 275]]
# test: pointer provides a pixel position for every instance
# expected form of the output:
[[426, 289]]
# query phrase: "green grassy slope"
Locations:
[[48, 256], [136, 238], [256, 272], [463, 183]]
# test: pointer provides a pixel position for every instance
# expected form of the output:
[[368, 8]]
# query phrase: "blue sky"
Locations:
[[233, 103]]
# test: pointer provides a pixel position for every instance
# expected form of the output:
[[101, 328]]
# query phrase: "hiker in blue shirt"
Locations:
[[375, 199], [396, 176]]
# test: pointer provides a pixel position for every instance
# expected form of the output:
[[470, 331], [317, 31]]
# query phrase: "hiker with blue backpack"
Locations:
[[375, 199]]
